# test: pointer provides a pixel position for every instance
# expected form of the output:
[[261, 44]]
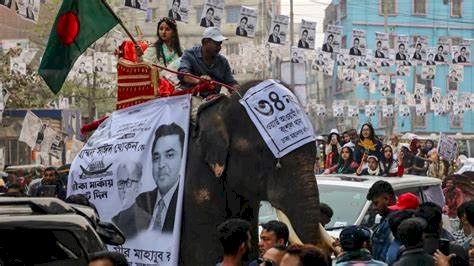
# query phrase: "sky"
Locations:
[[312, 10]]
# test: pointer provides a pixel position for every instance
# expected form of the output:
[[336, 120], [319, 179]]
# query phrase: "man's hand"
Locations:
[[364, 157], [206, 77], [441, 259]]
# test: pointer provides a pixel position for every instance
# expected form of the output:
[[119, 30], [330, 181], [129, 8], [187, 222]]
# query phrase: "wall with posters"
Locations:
[[406, 19]]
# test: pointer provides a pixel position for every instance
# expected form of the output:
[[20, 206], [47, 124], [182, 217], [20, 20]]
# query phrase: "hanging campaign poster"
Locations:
[[297, 55], [29, 9], [359, 43], [387, 110], [461, 54], [418, 52], [400, 87], [404, 110], [447, 147], [419, 92], [371, 62], [84, 65], [456, 73], [401, 47], [420, 110], [100, 62], [17, 66], [353, 111], [370, 110], [31, 128], [333, 37], [212, 13], [439, 109], [384, 85], [247, 22], [428, 72], [430, 59], [307, 34], [4, 95], [343, 57], [323, 62], [279, 29], [320, 110], [403, 71], [179, 10], [137, 4], [132, 169], [435, 97], [381, 44], [278, 116], [338, 110], [364, 78], [443, 50]]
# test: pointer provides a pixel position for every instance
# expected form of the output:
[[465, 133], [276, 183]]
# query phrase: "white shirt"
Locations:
[[167, 199]]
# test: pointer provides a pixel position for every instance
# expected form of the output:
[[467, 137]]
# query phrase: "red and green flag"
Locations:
[[79, 23]]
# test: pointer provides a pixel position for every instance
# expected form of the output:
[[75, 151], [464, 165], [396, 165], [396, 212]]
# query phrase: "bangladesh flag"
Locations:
[[79, 23]]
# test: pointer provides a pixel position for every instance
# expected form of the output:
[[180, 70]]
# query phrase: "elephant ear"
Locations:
[[213, 135]]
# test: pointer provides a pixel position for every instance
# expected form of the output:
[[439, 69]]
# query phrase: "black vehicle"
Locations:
[[48, 231]]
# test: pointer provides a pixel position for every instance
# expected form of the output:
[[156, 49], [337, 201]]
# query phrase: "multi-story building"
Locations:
[[430, 18]]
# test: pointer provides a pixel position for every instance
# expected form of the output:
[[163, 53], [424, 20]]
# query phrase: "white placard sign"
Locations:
[[279, 29], [447, 147], [247, 22], [307, 34], [30, 130], [212, 12], [279, 118], [122, 170]]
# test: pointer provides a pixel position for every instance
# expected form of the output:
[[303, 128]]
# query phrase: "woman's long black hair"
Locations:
[[372, 132], [387, 163], [175, 41]]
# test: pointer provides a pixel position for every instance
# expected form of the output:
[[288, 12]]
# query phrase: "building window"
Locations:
[[389, 6], [456, 8], [198, 14], [419, 7], [232, 14], [343, 6]]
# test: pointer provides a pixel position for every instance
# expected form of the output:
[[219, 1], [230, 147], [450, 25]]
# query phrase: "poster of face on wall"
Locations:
[[179, 10], [338, 110], [384, 85], [212, 12], [420, 110], [403, 71], [430, 57], [400, 88], [17, 66], [404, 110], [418, 52], [353, 111], [247, 22], [136, 4], [132, 169], [381, 45], [371, 63], [297, 55], [323, 62], [29, 9], [401, 47], [387, 110], [101, 62], [279, 29], [84, 65], [443, 50], [307, 34], [456, 73], [349, 75], [370, 110], [342, 58], [428, 72], [359, 43], [4, 95], [332, 39], [320, 110], [388, 60], [461, 54], [364, 78], [353, 62], [419, 92]]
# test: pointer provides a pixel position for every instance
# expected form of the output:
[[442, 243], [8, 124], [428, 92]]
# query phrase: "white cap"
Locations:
[[213, 33], [334, 131]]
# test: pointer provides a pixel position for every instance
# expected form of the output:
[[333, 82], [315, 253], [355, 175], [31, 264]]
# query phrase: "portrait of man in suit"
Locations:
[[98, 65], [206, 21], [320, 61], [417, 53], [294, 58], [462, 57], [302, 43], [430, 61], [355, 48], [155, 210], [275, 36], [174, 11], [401, 53], [82, 68], [362, 62], [241, 31], [439, 56], [327, 47], [378, 51]]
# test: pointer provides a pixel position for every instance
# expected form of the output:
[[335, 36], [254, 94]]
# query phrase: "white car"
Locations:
[[346, 195]]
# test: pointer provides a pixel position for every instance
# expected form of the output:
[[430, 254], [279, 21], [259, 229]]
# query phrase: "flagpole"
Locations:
[[120, 22]]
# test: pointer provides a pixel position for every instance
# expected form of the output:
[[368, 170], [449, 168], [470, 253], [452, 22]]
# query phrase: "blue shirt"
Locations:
[[393, 252], [192, 62], [381, 239]]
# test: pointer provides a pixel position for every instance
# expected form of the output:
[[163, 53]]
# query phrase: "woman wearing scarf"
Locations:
[[368, 143], [436, 168], [332, 149], [388, 165], [346, 164], [373, 166]]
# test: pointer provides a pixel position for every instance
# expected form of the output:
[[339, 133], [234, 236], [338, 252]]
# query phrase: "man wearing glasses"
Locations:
[[155, 210], [205, 61]]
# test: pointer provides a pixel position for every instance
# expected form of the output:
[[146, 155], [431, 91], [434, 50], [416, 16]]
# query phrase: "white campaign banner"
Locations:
[[30, 130], [278, 116], [132, 168], [447, 147]]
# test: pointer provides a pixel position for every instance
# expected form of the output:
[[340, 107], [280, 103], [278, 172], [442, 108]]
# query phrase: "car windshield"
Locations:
[[346, 203]]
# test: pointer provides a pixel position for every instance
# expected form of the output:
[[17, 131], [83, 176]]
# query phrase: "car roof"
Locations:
[[36, 205], [365, 182]]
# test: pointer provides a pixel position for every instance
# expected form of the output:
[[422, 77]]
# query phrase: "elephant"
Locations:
[[230, 170]]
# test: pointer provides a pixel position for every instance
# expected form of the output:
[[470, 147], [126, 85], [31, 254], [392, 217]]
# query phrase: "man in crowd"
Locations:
[[394, 221], [273, 233], [382, 195], [454, 197], [108, 258], [305, 255], [273, 256], [432, 233], [355, 241], [234, 235], [206, 62], [49, 186], [463, 233], [469, 213], [410, 233]]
